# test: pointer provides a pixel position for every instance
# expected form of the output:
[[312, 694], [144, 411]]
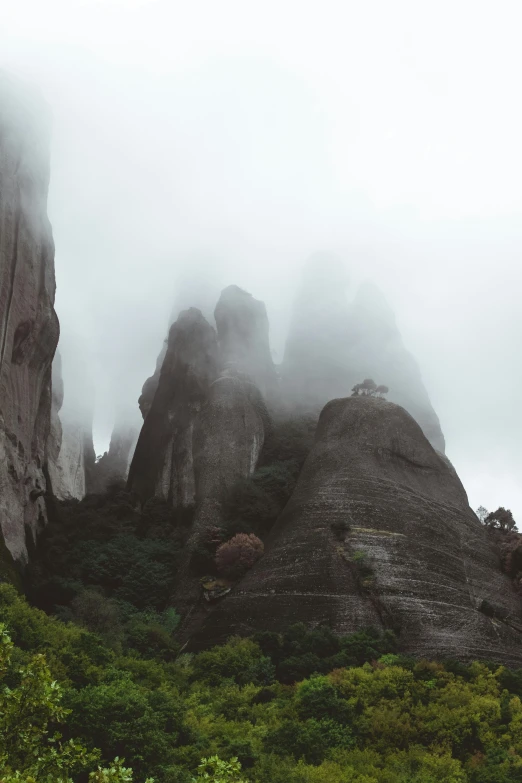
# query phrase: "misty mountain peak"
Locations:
[[243, 337]]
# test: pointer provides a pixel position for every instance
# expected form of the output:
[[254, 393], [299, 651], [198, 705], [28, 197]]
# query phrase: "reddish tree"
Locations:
[[236, 556]]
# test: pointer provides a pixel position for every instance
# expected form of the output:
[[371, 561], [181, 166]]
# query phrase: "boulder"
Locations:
[[378, 533], [29, 326]]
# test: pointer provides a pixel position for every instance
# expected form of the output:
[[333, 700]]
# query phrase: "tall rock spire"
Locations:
[[332, 346], [243, 338], [28, 323], [163, 465]]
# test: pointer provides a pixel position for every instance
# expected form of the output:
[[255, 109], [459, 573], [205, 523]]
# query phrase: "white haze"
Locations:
[[230, 139]]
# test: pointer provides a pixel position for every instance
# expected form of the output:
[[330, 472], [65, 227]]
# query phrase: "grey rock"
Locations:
[[228, 438], [372, 469], [332, 346], [28, 323], [162, 465], [243, 338], [151, 384], [377, 350], [115, 463]]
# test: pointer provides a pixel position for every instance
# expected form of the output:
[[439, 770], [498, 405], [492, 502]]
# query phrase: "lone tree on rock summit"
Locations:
[[368, 388]]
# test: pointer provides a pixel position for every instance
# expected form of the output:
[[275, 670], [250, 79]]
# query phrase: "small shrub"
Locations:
[[236, 556], [340, 528]]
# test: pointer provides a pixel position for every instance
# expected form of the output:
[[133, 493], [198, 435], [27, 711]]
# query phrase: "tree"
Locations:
[[28, 752], [368, 388], [215, 770], [236, 556], [482, 514], [26, 711], [502, 519]]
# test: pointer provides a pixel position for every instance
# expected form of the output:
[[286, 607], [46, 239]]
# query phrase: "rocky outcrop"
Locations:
[[70, 449], [28, 323], [379, 532], [332, 346], [151, 384], [163, 464], [243, 338], [115, 463], [228, 437]]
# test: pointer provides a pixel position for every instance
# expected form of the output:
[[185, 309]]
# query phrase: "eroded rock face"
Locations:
[[163, 465], [151, 384], [28, 324], [332, 346], [115, 463], [243, 338], [228, 438], [430, 567]]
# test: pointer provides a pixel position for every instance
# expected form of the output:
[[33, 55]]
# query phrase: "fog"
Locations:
[[205, 143]]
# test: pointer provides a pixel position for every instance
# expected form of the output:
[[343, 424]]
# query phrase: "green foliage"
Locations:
[[253, 505], [29, 706], [111, 569], [304, 706], [215, 770], [240, 660]]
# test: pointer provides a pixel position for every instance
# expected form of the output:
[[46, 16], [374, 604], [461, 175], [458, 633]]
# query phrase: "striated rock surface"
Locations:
[[332, 345], [379, 532], [243, 338], [28, 323], [228, 437], [162, 465]]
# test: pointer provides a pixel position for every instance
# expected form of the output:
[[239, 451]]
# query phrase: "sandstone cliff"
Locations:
[[28, 323], [379, 532], [162, 465]]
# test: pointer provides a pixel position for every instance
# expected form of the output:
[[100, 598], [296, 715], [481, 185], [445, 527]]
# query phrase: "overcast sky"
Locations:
[[236, 137]]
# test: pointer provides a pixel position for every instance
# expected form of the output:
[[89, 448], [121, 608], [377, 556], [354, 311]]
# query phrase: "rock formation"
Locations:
[[377, 350], [115, 463], [163, 461], [316, 367], [331, 346], [70, 449], [28, 323], [379, 532], [151, 384], [228, 437], [244, 345]]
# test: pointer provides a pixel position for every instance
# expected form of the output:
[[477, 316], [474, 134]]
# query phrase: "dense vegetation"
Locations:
[[304, 707], [99, 675]]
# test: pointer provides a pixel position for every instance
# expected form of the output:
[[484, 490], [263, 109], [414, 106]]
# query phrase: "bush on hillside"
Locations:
[[236, 556]]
